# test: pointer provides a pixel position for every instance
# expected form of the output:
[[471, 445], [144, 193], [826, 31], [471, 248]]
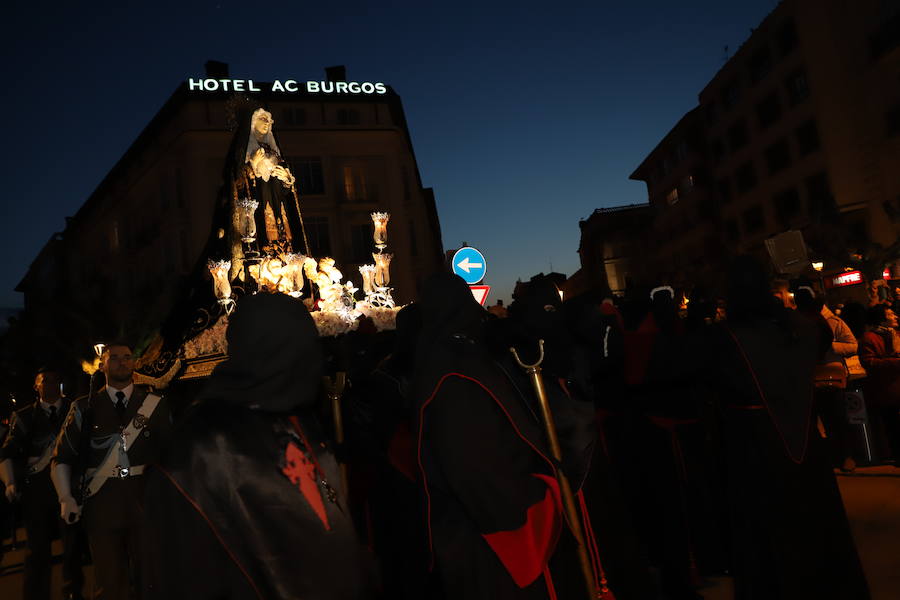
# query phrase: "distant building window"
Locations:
[[308, 172], [778, 156], [318, 235], [724, 188], [797, 87], [737, 135], [681, 151], [768, 111], [672, 197], [787, 204], [731, 94], [760, 64], [892, 121], [348, 116], [361, 244], [807, 138], [753, 219], [293, 117], [745, 178], [786, 38]]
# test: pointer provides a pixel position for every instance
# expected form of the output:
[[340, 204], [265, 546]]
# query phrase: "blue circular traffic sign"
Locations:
[[469, 264]]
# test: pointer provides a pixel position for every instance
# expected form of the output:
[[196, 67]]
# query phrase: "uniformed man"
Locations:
[[26, 452], [128, 425]]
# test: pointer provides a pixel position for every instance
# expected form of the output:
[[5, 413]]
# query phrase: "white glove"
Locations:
[[69, 509], [12, 494]]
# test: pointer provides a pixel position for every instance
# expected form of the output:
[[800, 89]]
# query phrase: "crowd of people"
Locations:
[[690, 440]]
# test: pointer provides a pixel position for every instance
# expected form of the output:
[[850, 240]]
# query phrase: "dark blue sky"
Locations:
[[525, 116]]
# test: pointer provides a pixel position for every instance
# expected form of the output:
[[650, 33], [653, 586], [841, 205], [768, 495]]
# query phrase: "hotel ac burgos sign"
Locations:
[[287, 86]]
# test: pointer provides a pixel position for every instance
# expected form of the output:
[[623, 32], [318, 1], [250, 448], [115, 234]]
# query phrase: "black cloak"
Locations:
[[492, 503], [247, 502]]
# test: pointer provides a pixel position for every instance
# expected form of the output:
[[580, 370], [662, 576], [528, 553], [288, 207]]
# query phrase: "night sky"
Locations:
[[525, 116]]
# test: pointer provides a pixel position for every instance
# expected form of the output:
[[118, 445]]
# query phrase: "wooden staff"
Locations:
[[335, 390], [537, 380]]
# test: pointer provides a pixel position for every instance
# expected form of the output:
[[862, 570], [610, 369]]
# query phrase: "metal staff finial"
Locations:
[[568, 498], [536, 365]]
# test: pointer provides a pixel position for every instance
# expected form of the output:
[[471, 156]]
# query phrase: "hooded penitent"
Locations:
[[492, 502], [249, 479], [777, 349]]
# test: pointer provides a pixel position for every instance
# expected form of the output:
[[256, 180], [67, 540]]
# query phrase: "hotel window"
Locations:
[[768, 110], [778, 156], [293, 116], [737, 135], [797, 86], [807, 138], [753, 219], [308, 171], [745, 178], [760, 64], [687, 184], [348, 116], [355, 189], [318, 235], [672, 197]]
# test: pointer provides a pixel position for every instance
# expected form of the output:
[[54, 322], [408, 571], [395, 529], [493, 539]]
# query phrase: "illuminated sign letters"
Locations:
[[288, 86], [848, 278]]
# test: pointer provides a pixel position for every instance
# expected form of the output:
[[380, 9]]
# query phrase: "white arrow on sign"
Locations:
[[465, 265]]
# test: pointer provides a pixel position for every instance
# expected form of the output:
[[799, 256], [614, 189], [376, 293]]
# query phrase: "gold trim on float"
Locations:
[[202, 366]]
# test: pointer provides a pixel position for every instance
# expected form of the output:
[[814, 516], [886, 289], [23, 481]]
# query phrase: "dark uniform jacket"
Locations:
[[106, 426], [30, 434]]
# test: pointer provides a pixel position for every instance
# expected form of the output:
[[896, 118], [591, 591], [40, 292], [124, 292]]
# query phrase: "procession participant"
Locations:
[[28, 449], [249, 481], [128, 425], [788, 521], [493, 504]]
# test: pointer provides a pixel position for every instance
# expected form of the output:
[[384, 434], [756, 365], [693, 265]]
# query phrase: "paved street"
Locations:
[[872, 497]]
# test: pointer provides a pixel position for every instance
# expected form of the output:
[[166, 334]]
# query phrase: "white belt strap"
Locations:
[[116, 463], [40, 462]]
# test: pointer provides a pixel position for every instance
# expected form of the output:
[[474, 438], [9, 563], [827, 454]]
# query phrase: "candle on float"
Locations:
[[368, 278], [382, 269], [380, 220]]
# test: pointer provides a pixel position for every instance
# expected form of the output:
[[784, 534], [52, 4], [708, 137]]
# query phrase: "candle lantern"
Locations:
[[293, 273], [380, 220], [368, 278], [221, 286], [247, 219], [382, 269]]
